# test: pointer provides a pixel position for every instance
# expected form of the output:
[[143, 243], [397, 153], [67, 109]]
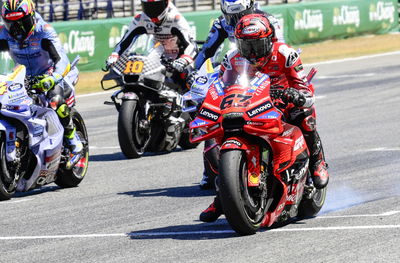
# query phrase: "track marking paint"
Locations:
[[16, 201], [346, 76], [150, 234], [383, 149], [102, 148], [390, 213], [353, 59]]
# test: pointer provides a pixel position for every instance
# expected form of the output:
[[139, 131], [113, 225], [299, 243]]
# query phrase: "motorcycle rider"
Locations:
[[222, 28], [282, 63], [163, 20], [35, 44]]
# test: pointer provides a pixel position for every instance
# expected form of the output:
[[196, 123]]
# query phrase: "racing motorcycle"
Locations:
[[150, 117], [264, 175], [32, 151]]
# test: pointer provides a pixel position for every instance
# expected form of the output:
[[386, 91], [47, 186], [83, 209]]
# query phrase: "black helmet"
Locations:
[[155, 9]]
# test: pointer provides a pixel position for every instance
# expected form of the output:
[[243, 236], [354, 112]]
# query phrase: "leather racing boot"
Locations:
[[212, 213], [318, 166], [75, 145], [210, 162]]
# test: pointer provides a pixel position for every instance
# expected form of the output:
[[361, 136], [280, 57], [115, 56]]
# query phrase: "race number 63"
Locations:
[[134, 67]]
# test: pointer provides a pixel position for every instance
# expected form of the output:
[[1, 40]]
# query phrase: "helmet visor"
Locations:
[[254, 48], [233, 19], [154, 9], [21, 28]]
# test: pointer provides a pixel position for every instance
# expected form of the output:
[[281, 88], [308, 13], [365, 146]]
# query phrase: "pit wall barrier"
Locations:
[[303, 23]]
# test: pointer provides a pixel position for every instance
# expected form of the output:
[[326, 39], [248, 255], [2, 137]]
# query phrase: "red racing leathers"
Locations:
[[286, 71]]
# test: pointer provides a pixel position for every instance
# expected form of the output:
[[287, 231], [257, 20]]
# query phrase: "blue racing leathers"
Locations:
[[41, 52], [220, 30]]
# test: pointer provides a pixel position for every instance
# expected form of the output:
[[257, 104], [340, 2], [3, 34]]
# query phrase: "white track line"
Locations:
[[16, 201], [383, 149], [346, 76], [353, 59], [390, 213], [101, 148], [150, 234]]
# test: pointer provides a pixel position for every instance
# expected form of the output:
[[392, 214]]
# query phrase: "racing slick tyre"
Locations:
[[132, 138], [311, 207], [6, 176], [185, 143], [242, 206], [73, 177]]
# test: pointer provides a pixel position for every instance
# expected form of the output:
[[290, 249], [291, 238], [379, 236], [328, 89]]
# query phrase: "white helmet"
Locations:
[[233, 10]]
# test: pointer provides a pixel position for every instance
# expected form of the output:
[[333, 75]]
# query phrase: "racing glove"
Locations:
[[191, 78], [292, 95], [46, 82], [112, 58], [180, 64]]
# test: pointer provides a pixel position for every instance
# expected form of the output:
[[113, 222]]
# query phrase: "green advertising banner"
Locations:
[[310, 22], [306, 22]]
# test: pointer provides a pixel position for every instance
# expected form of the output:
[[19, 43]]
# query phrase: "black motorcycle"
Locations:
[[150, 106]]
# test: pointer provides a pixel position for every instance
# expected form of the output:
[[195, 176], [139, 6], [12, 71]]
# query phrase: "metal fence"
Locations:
[[63, 10]]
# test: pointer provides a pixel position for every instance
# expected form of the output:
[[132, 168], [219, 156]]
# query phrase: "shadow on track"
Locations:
[[181, 191], [217, 230], [41, 190], [107, 157], [119, 156]]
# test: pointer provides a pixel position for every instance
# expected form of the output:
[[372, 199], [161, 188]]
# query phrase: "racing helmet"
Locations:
[[253, 36], [233, 10], [19, 18], [155, 9]]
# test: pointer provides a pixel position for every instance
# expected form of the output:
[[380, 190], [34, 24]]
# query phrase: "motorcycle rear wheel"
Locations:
[[5, 192], [243, 209], [132, 140], [311, 207], [73, 177]]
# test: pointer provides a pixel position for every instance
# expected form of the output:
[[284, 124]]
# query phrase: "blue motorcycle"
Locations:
[[32, 151]]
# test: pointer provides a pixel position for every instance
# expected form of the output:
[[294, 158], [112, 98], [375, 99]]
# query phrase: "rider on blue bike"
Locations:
[[34, 43]]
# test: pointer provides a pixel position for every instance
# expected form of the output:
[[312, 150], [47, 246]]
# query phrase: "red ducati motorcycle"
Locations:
[[263, 161]]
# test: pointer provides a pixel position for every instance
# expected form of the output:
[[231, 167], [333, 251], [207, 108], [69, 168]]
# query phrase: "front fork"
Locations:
[[10, 133]]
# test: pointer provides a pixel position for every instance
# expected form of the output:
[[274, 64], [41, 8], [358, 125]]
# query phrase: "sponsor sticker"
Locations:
[[259, 109], [235, 142], [209, 114], [202, 80]]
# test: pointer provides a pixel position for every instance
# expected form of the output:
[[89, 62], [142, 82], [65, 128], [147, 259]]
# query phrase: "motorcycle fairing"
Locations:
[[44, 129], [10, 133], [14, 101], [287, 149]]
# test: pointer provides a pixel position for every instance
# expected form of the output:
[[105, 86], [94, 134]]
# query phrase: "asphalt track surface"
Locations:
[[146, 210]]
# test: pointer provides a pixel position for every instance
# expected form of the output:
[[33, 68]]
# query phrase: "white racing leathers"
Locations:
[[174, 33], [220, 30]]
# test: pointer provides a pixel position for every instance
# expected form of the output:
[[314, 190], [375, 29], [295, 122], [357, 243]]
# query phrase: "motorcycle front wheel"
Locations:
[[7, 189], [132, 138], [73, 177], [311, 207], [241, 204]]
